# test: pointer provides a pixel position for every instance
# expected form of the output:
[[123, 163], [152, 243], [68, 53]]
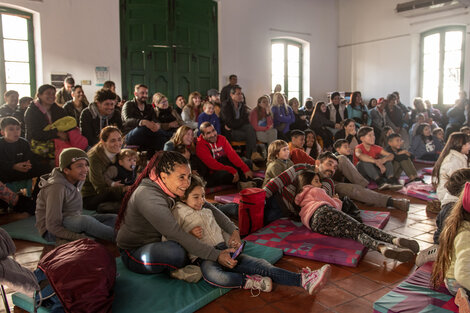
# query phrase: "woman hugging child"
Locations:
[[244, 271], [323, 215], [124, 171], [278, 160]]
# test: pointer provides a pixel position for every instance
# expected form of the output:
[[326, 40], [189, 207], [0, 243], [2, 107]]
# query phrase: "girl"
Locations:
[[452, 158], [278, 160], [357, 110], [320, 124], [244, 271], [168, 117], [192, 110], [262, 121], [348, 132], [283, 115], [453, 258], [311, 146], [424, 146], [372, 103], [323, 215]]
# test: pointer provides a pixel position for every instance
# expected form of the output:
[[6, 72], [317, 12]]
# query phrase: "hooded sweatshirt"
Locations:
[[209, 153], [91, 122], [310, 199], [57, 199]]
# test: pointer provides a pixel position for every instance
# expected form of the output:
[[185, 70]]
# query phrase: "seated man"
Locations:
[[281, 190], [98, 115], [235, 122], [140, 122], [64, 94], [296, 148], [59, 204], [17, 161], [225, 166]]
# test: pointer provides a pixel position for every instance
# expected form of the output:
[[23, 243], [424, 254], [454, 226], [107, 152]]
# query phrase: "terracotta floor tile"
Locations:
[[383, 276], [332, 296], [240, 300], [374, 296], [427, 237], [356, 306], [358, 285], [338, 273], [407, 232], [424, 227], [214, 307], [302, 303]]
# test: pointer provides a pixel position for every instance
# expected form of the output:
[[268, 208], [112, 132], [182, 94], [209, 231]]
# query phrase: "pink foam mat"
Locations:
[[297, 240]]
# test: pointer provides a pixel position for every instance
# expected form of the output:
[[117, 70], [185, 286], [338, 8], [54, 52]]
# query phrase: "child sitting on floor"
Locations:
[[453, 259], [323, 215], [125, 171], [439, 134], [402, 159], [278, 160], [244, 271], [424, 145], [342, 148], [373, 162]]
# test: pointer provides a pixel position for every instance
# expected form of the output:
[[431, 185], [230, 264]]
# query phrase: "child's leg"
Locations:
[[409, 168], [397, 169], [90, 226], [369, 170], [217, 275], [388, 169]]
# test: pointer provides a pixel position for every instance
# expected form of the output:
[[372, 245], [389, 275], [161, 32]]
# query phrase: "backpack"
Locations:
[[82, 275], [251, 210]]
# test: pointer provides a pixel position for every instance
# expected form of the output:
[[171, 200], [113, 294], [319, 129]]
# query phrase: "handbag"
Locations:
[[251, 210], [351, 209]]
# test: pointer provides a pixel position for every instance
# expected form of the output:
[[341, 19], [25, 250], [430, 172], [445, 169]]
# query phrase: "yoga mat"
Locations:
[[25, 229], [160, 293], [415, 295], [297, 240]]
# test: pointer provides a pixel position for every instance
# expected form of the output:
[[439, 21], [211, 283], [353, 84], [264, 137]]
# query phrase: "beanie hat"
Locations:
[[466, 197], [71, 155]]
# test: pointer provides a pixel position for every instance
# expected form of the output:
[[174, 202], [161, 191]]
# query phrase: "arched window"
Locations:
[[286, 67], [442, 59], [17, 67]]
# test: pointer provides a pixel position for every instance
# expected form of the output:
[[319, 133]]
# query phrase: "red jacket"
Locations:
[[209, 153]]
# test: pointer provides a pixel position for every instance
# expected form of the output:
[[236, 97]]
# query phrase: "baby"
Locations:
[[124, 171]]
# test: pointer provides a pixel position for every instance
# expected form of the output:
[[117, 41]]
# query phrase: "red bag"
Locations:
[[82, 274], [251, 210]]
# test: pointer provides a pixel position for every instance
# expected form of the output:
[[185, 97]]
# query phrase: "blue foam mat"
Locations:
[[160, 293]]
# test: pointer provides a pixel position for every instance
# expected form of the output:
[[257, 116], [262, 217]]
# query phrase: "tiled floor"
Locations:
[[349, 289]]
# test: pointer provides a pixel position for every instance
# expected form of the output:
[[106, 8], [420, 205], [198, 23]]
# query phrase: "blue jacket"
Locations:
[[280, 116], [213, 119]]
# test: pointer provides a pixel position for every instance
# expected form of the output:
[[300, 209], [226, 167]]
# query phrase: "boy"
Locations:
[[20, 111], [209, 116], [373, 162], [59, 204], [125, 171], [17, 161], [342, 148], [402, 159], [11, 102], [296, 148]]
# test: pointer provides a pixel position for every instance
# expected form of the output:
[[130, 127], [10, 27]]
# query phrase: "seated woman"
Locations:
[[348, 132], [262, 121], [59, 203], [41, 112], [97, 194], [358, 111], [75, 106], [168, 118], [301, 121], [192, 109], [283, 116], [320, 124], [424, 146], [311, 146], [395, 118]]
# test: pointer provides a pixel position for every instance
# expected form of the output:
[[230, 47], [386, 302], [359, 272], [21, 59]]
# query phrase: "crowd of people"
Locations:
[[143, 166]]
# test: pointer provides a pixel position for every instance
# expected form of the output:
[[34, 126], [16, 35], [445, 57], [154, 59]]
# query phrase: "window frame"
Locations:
[[31, 51], [442, 31], [286, 43]]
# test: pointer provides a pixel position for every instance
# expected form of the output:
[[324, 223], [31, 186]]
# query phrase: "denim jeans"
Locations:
[[155, 257], [220, 276], [146, 139], [272, 209], [99, 225], [229, 209]]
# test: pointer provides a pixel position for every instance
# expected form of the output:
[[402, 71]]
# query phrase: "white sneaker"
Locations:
[[427, 255], [258, 282], [313, 281]]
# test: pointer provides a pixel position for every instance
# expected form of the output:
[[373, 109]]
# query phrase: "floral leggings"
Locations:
[[329, 221], [7, 195]]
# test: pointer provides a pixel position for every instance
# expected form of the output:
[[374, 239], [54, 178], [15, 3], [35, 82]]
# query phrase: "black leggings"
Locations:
[[329, 221]]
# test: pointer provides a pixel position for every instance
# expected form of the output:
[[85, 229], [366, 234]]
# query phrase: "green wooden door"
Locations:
[[169, 45]]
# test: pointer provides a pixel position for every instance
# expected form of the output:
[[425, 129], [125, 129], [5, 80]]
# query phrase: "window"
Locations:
[[17, 68], [442, 52], [286, 66]]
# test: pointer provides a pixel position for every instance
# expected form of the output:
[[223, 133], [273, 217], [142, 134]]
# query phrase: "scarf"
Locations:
[[153, 176]]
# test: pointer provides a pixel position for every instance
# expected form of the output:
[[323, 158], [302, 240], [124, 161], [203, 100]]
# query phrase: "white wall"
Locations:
[[246, 28], [378, 50], [75, 37]]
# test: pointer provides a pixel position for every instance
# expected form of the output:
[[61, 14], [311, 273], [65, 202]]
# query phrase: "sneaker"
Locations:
[[313, 281], [401, 204], [427, 255], [383, 186], [189, 273], [411, 244], [258, 282], [461, 300], [396, 253], [394, 184]]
